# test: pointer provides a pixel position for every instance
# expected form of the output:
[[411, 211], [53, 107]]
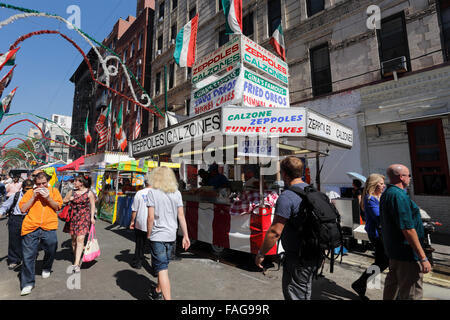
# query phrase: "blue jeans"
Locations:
[[161, 253], [30, 245], [15, 239]]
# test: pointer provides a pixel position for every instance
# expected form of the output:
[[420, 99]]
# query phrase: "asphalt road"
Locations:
[[197, 276]]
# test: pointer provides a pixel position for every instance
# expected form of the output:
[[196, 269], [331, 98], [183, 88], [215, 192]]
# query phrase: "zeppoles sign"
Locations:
[[183, 132], [224, 57], [264, 60], [325, 128]]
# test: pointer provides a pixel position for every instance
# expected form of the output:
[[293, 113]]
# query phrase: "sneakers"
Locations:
[[12, 266], [76, 269], [136, 264], [26, 290], [45, 274], [155, 295]]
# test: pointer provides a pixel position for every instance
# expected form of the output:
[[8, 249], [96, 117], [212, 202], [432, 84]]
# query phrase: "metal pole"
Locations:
[[165, 94], [317, 171], [261, 188]]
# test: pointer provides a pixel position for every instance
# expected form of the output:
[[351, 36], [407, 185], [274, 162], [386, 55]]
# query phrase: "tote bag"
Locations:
[[92, 249]]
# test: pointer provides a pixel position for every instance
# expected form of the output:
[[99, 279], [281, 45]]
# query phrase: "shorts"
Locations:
[[161, 253]]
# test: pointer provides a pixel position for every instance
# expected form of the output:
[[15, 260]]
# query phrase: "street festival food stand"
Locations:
[[116, 196], [240, 103]]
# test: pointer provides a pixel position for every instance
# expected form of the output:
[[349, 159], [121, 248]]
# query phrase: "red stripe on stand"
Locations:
[[259, 224], [192, 219], [221, 225]]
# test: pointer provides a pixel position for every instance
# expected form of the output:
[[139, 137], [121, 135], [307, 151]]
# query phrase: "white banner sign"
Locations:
[[323, 127], [257, 147], [268, 121], [180, 133]]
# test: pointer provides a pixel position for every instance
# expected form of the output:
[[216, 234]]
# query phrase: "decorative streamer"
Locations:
[[108, 71]]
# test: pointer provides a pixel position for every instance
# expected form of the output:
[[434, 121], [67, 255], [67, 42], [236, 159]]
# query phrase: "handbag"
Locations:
[[66, 213], [92, 249]]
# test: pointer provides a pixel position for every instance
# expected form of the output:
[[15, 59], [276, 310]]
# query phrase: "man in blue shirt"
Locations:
[[298, 271], [402, 233], [216, 179], [15, 225]]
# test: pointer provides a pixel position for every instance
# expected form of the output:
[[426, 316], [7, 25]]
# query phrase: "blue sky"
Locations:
[[45, 63]]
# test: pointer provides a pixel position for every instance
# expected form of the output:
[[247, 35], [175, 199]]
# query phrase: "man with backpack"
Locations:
[[301, 215], [11, 208]]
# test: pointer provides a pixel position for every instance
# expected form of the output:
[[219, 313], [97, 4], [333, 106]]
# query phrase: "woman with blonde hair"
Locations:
[[370, 203], [165, 205]]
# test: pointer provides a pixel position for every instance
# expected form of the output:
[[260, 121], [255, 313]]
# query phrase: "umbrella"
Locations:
[[357, 176]]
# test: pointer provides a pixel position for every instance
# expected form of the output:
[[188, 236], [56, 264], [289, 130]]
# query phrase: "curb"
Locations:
[[430, 278]]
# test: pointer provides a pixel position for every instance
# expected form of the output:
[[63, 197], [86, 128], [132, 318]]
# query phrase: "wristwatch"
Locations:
[[424, 259]]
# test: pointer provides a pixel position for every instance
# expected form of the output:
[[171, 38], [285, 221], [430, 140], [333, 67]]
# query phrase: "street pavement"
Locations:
[[199, 275]]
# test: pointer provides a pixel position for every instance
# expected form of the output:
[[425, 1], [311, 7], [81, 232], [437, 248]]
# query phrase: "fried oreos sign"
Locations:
[[180, 133]]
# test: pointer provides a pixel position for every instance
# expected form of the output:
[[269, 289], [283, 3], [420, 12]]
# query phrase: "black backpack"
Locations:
[[318, 226]]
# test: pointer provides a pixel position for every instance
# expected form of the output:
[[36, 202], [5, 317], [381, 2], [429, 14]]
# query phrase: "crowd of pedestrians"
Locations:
[[393, 224]]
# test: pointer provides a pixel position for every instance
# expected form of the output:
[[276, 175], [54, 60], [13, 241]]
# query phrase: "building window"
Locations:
[[171, 75], [188, 107], [274, 15], [314, 6], [158, 84], [392, 39], [192, 13], [139, 73], [223, 38], [125, 54], [220, 5], [174, 4], [247, 25], [428, 157], [444, 6], [155, 124], [128, 107], [160, 42], [161, 11], [173, 32], [140, 41], [132, 50], [321, 70], [188, 73]]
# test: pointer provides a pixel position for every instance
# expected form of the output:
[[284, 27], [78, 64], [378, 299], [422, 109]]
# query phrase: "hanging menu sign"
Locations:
[[264, 60], [221, 59]]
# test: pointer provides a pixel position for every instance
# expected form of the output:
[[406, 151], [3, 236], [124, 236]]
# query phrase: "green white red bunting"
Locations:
[[6, 80], [8, 59], [186, 43], [87, 135], [277, 41], [233, 16]]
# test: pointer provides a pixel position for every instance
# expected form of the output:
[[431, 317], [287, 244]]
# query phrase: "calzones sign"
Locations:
[[327, 129]]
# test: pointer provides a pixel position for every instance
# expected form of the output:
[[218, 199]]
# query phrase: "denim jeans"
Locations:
[[14, 239], [297, 278], [161, 254], [30, 245], [141, 237]]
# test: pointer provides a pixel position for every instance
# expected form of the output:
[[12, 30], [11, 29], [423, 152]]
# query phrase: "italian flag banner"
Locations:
[[6, 101], [277, 41], [87, 135], [123, 141], [233, 16], [119, 123], [8, 59], [186, 44], [6, 80]]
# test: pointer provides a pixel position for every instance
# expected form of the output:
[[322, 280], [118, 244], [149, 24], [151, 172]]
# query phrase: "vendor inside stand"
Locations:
[[216, 179], [202, 173], [251, 173]]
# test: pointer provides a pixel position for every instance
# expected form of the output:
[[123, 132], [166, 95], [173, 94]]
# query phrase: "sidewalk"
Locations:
[[439, 276]]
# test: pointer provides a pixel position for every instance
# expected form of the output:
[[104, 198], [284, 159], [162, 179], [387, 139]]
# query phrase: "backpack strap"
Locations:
[[16, 199]]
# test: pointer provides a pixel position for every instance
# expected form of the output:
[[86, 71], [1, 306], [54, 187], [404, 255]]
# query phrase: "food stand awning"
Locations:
[[75, 165], [131, 165]]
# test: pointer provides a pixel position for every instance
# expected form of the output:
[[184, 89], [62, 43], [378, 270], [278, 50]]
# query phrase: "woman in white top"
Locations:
[[165, 205]]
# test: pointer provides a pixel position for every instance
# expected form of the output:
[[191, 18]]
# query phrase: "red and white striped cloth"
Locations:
[[213, 224]]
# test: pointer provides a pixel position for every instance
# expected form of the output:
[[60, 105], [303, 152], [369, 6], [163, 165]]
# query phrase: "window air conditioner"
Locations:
[[139, 62], [158, 53], [172, 41], [397, 65], [161, 19]]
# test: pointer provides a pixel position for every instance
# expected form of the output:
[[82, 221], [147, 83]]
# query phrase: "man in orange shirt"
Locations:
[[39, 226]]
